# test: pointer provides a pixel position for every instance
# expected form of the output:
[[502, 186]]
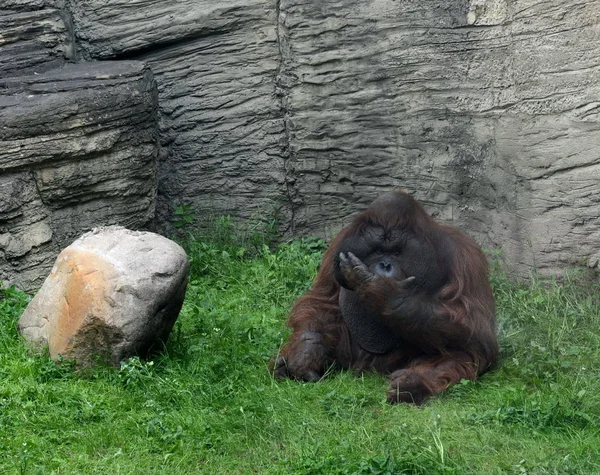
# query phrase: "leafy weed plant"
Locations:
[[209, 404]]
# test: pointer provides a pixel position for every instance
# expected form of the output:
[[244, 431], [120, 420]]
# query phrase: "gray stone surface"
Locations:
[[78, 149], [20, 6], [34, 41], [486, 110], [221, 120], [112, 294]]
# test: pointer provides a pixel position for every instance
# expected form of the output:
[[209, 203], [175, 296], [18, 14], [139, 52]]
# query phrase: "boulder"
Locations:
[[112, 294]]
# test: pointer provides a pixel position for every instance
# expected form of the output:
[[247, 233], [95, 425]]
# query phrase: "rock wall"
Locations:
[[221, 120], [487, 110], [78, 142]]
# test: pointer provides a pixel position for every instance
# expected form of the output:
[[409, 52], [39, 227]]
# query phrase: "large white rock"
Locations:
[[112, 294]]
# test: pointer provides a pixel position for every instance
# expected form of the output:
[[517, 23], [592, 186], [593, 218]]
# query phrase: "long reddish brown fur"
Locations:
[[461, 345]]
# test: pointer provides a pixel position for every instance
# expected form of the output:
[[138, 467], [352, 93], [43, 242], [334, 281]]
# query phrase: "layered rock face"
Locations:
[[78, 149], [222, 131], [78, 142], [486, 110]]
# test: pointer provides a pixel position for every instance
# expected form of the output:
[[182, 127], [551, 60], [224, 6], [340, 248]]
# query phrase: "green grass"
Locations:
[[209, 405]]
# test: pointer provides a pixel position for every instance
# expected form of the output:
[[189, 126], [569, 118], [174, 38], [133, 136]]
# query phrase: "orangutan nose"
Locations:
[[385, 268]]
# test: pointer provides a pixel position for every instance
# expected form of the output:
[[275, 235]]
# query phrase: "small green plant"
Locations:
[[135, 371], [183, 215]]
